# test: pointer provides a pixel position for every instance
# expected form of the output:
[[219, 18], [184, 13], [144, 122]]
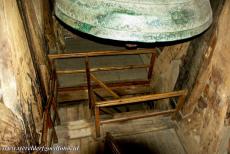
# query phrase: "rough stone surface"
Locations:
[[20, 88], [166, 71], [11, 133], [202, 130]]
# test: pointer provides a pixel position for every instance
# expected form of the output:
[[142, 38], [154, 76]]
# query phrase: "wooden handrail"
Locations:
[[137, 116], [181, 94], [152, 62], [48, 121], [136, 99], [109, 84], [180, 104], [100, 53], [103, 69], [90, 90]]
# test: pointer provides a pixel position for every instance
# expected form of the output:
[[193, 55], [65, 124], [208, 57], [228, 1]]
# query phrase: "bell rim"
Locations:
[[143, 38]]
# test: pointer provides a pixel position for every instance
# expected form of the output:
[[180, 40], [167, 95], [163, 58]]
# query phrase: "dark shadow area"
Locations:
[[132, 147]]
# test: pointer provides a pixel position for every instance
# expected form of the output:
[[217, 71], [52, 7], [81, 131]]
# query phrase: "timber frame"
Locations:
[[95, 106], [50, 114], [87, 55], [138, 99]]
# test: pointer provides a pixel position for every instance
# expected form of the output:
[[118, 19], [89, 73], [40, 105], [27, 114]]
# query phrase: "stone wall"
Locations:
[[24, 70], [202, 129]]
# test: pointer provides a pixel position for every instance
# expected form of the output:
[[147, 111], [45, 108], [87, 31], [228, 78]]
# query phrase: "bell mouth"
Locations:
[[136, 22]]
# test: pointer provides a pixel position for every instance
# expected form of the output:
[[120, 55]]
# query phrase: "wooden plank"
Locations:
[[179, 105], [86, 112], [99, 96], [97, 121], [54, 104], [74, 129], [81, 111], [45, 128], [63, 112], [138, 126], [140, 99], [104, 86], [106, 111], [99, 53], [103, 69], [88, 81], [73, 125], [72, 113], [80, 95], [109, 84], [86, 132], [137, 116], [152, 62]]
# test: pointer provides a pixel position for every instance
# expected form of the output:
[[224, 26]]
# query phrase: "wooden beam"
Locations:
[[45, 128], [137, 116], [88, 81], [140, 99], [180, 104], [104, 86], [70, 96], [107, 89], [109, 84], [54, 105], [103, 69], [97, 121], [99, 96], [100, 53], [53, 137], [152, 62]]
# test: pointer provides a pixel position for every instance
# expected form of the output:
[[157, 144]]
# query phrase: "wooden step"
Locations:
[[138, 125], [74, 129]]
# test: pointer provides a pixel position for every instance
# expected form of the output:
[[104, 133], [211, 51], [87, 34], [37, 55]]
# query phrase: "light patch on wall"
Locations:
[[9, 93]]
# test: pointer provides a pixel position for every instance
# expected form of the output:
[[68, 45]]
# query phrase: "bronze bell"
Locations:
[[137, 20]]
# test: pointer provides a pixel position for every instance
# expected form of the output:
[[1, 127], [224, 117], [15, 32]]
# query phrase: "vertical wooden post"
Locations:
[[54, 104], [180, 104], [152, 62], [53, 90], [45, 127], [97, 121], [51, 127], [88, 81]]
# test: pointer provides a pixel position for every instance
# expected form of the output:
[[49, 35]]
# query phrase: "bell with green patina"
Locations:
[[137, 20]]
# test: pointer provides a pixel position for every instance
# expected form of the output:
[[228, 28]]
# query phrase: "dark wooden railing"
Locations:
[[97, 106], [87, 55], [138, 99], [110, 145], [50, 114]]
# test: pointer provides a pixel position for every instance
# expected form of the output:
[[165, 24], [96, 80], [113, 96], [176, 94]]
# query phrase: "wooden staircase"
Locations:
[[126, 133], [114, 115]]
